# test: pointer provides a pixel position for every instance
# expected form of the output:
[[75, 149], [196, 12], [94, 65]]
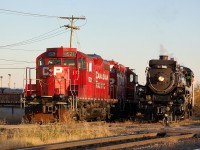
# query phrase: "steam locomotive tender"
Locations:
[[71, 83], [168, 93]]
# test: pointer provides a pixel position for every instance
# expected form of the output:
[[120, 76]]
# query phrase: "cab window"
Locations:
[[41, 62], [54, 62], [131, 78], [81, 63], [69, 62]]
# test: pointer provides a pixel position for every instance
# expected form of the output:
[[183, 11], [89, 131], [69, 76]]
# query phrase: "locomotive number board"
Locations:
[[69, 54]]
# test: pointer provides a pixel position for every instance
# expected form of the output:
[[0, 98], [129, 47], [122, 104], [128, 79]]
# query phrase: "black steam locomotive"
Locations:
[[168, 93]]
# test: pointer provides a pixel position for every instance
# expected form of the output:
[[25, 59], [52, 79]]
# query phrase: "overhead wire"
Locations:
[[21, 49], [6, 11], [39, 38], [18, 61], [84, 23], [12, 68], [78, 41], [13, 12]]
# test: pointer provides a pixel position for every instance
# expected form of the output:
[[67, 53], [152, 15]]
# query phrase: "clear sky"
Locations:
[[129, 31]]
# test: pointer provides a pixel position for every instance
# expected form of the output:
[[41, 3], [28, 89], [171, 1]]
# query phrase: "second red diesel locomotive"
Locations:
[[89, 87]]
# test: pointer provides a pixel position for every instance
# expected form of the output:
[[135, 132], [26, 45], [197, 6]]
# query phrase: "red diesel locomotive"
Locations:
[[84, 85]]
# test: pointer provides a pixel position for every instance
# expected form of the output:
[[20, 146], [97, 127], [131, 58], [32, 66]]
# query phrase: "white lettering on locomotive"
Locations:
[[100, 85], [57, 70], [101, 76], [46, 71]]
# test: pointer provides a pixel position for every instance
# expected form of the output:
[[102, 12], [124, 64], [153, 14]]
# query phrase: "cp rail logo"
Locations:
[[49, 72]]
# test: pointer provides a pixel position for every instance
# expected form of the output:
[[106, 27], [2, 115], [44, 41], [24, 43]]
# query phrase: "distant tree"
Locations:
[[197, 99]]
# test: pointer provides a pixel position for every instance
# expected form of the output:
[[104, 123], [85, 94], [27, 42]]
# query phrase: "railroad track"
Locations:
[[116, 142]]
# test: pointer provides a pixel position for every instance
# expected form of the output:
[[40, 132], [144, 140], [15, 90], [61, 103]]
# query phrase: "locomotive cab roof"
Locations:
[[61, 52]]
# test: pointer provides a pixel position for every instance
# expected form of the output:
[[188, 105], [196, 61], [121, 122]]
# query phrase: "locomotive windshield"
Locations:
[[69, 62], [54, 62]]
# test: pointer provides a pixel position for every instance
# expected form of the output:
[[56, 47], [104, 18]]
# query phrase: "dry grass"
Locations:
[[23, 137], [70, 130], [2, 122]]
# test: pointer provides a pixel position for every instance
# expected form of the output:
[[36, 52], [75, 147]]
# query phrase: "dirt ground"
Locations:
[[185, 126], [136, 127]]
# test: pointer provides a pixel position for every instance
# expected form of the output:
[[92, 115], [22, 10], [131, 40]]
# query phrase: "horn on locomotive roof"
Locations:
[[163, 57]]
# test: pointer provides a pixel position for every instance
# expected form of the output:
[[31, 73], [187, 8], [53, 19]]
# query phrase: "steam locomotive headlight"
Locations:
[[161, 78]]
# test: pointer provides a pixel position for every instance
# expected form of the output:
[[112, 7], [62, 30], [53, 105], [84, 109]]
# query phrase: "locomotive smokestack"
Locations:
[[163, 57]]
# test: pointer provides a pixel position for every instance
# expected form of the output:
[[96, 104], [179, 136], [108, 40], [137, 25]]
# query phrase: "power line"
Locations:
[[17, 61], [13, 12], [72, 19], [39, 38], [12, 68], [21, 49]]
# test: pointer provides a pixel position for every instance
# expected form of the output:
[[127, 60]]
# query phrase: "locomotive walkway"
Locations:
[[116, 142]]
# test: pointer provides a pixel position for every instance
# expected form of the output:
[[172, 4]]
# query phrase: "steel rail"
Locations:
[[88, 142], [146, 142]]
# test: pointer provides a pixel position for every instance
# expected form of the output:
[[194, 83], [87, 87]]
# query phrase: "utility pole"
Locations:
[[1, 80], [9, 75], [71, 19]]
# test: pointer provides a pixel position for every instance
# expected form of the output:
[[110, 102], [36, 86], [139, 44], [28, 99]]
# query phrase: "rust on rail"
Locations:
[[89, 142], [146, 142]]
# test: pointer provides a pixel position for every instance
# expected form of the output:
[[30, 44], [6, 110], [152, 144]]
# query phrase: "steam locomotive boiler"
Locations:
[[168, 93]]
